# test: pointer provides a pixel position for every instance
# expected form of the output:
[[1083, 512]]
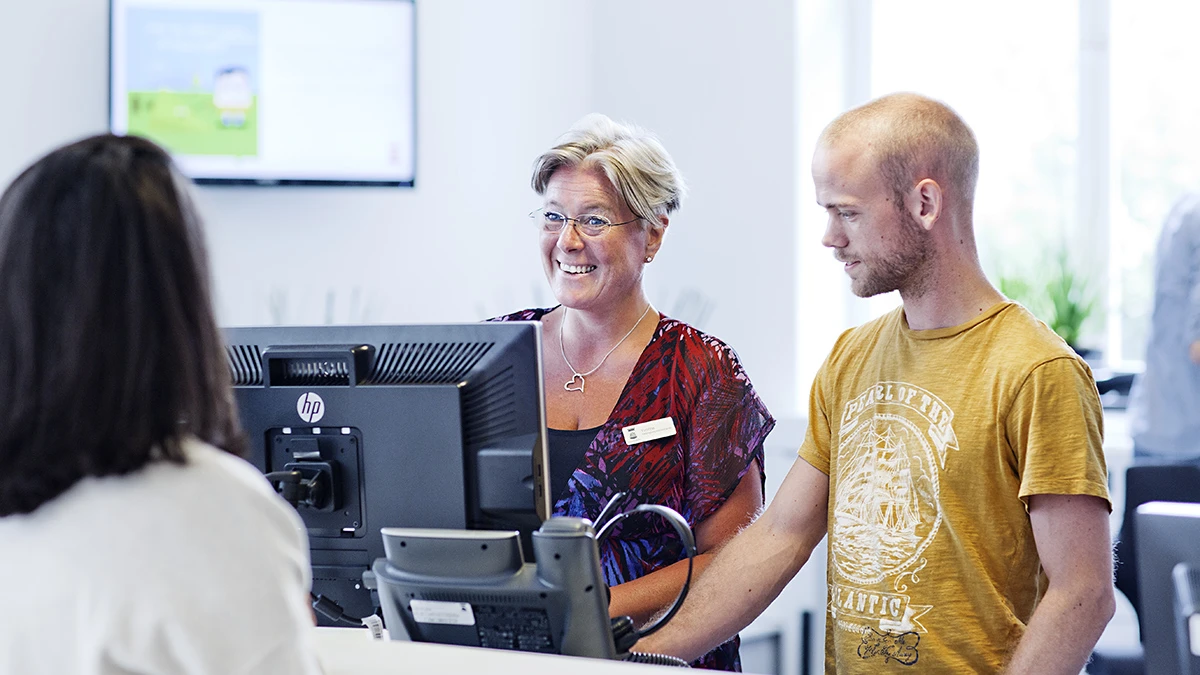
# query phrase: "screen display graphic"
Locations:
[[191, 80], [269, 91]]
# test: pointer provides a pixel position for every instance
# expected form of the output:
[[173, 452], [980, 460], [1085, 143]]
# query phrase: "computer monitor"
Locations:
[[366, 427], [1168, 552]]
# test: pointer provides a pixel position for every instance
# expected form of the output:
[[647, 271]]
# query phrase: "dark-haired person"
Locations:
[[614, 366], [132, 538]]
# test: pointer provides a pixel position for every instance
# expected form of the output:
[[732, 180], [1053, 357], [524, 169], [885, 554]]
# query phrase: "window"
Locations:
[[1085, 111], [1014, 80], [1156, 149], [1086, 118]]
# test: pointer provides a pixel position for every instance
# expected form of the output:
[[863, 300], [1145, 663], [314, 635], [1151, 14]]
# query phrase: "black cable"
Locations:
[[290, 485], [689, 542], [601, 521], [332, 611]]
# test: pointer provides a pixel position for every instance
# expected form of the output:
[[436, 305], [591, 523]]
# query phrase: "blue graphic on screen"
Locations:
[[183, 49], [193, 79]]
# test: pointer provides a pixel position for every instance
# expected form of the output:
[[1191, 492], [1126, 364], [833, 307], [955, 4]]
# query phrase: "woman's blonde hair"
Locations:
[[633, 159]]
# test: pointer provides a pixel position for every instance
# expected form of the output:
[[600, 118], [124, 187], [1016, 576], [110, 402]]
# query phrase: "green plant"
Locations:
[[1018, 289], [1071, 300], [1060, 296]]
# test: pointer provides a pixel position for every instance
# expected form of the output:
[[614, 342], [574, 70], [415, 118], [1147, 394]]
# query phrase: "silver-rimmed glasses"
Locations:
[[592, 225]]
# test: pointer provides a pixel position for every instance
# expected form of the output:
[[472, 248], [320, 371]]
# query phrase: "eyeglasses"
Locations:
[[552, 222]]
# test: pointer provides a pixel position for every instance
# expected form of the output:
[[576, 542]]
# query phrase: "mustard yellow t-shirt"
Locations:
[[933, 440]]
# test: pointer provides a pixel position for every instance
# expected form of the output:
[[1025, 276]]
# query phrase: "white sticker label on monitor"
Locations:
[[446, 613], [1194, 633], [649, 431], [310, 407]]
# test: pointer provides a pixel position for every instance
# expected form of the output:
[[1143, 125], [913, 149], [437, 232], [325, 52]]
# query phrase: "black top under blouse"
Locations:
[[567, 448]]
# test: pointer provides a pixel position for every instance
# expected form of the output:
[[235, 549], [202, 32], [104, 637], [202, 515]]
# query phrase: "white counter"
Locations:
[[350, 651]]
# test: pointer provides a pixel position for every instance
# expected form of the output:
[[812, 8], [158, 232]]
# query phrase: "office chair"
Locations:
[[1165, 482]]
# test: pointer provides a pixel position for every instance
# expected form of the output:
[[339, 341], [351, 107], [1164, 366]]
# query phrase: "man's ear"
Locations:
[[925, 203]]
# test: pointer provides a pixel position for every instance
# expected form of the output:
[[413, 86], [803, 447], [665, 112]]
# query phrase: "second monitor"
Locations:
[[365, 427]]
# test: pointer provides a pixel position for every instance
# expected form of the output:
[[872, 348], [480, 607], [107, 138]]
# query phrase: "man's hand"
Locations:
[[1194, 352]]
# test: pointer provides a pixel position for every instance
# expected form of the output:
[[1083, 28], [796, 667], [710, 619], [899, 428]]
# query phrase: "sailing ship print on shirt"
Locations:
[[886, 506], [892, 444]]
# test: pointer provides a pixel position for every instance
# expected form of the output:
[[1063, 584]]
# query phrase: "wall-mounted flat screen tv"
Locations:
[[269, 91]]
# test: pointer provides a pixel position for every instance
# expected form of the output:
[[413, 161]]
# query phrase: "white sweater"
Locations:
[[198, 568]]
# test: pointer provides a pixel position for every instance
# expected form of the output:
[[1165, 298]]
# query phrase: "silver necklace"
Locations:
[[578, 380]]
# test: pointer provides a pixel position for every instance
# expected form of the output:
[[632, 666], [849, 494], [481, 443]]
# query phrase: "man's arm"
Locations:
[[750, 571], [1071, 534]]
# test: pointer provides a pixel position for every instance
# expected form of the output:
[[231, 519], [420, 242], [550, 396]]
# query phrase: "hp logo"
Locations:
[[310, 407]]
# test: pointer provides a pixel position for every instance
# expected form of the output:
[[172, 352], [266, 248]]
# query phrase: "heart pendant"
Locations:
[[572, 386]]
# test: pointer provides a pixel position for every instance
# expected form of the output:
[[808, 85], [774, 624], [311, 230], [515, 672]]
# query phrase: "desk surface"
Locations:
[[350, 651]]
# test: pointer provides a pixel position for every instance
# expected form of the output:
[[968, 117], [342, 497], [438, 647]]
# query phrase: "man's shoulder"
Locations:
[[1189, 207], [854, 341], [1009, 337], [1019, 337]]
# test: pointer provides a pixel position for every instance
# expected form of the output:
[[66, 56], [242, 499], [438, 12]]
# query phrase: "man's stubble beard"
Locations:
[[902, 269]]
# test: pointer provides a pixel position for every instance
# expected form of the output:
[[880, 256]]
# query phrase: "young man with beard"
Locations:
[[953, 451]]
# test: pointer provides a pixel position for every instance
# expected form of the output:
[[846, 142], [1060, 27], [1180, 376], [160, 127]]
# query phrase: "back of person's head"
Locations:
[[109, 352], [914, 137], [633, 159]]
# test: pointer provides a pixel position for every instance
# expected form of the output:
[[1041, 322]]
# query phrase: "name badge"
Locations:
[[649, 431]]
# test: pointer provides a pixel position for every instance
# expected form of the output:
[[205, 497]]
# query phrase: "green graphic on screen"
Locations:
[[191, 78]]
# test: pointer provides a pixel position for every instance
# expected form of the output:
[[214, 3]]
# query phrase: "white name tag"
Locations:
[[447, 613], [649, 431]]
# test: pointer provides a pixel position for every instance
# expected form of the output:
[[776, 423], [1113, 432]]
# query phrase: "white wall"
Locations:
[[53, 80], [497, 83], [457, 247], [715, 80]]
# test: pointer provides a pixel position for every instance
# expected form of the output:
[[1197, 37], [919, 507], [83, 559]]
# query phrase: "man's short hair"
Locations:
[[914, 137]]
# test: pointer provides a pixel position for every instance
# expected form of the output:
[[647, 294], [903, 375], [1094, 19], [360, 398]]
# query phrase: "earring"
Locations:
[[649, 258]]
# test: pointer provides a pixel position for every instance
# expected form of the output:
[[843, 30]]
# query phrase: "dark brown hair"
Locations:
[[109, 352]]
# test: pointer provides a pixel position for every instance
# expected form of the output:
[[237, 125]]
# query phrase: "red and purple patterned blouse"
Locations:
[[720, 424]]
